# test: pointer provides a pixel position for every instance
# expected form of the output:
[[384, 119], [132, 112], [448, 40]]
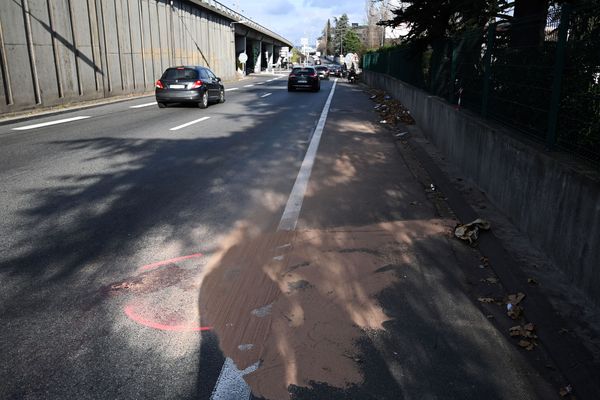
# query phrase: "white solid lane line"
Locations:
[[144, 105], [230, 89], [289, 219], [189, 123], [58, 121], [230, 384]]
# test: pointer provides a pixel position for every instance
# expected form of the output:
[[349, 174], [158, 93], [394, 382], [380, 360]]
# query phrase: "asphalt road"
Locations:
[[85, 204], [107, 221]]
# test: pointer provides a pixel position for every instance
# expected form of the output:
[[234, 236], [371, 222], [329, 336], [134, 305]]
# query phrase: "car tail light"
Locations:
[[196, 84], [292, 76], [159, 84], [313, 74]]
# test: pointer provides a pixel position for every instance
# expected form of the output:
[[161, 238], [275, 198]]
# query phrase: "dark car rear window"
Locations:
[[321, 68], [180, 73], [303, 71]]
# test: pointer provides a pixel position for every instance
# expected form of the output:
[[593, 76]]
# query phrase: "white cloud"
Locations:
[[283, 7], [295, 19]]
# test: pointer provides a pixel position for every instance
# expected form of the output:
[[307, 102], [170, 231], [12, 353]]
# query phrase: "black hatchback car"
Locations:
[[304, 78], [189, 84]]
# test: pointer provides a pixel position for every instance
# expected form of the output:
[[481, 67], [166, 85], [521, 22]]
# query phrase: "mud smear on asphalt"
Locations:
[[152, 281], [303, 299]]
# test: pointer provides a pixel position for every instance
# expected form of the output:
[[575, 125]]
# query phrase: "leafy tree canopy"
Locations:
[[431, 20]]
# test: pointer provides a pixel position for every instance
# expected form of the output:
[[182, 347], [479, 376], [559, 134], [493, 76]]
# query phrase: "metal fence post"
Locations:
[[388, 59], [559, 66], [487, 69], [453, 65]]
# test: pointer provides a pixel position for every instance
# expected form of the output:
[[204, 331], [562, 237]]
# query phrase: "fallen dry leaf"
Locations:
[[486, 300], [513, 311], [529, 327], [526, 331], [515, 331], [515, 299], [564, 391], [532, 281], [526, 344]]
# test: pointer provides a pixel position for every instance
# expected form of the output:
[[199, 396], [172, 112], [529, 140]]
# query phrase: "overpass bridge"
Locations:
[[55, 52]]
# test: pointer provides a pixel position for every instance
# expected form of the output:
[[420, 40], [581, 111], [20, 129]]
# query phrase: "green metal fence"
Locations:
[[546, 87]]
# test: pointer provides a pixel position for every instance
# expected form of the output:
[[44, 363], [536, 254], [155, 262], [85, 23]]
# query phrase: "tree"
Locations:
[[529, 23], [296, 56], [430, 21], [352, 43], [339, 31], [376, 11], [330, 45], [325, 45]]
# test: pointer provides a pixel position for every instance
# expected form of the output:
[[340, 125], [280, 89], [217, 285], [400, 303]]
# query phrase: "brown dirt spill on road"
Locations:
[[302, 299], [152, 281]]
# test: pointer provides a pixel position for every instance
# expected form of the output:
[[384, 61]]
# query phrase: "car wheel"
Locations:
[[162, 105], [291, 88], [204, 102], [222, 96]]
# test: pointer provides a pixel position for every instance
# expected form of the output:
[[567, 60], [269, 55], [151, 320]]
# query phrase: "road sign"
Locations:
[[243, 57]]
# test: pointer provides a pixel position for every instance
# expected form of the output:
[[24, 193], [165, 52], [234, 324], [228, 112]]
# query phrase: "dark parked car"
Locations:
[[335, 70], [323, 71], [189, 84], [304, 78]]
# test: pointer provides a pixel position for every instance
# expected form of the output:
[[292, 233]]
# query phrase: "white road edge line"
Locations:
[[266, 95], [58, 121], [289, 219], [144, 105], [189, 123], [230, 89], [230, 384]]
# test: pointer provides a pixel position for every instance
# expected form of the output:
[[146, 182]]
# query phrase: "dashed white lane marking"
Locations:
[[58, 121], [144, 105], [230, 384], [289, 219], [248, 85], [266, 95], [230, 89], [260, 83], [189, 123]]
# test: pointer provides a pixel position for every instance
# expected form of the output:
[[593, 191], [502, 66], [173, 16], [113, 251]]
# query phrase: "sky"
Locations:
[[295, 19]]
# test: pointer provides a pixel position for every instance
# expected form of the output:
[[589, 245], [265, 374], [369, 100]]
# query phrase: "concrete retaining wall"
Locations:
[[60, 51], [558, 207]]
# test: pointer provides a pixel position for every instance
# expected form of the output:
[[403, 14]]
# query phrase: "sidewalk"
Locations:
[[371, 297]]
